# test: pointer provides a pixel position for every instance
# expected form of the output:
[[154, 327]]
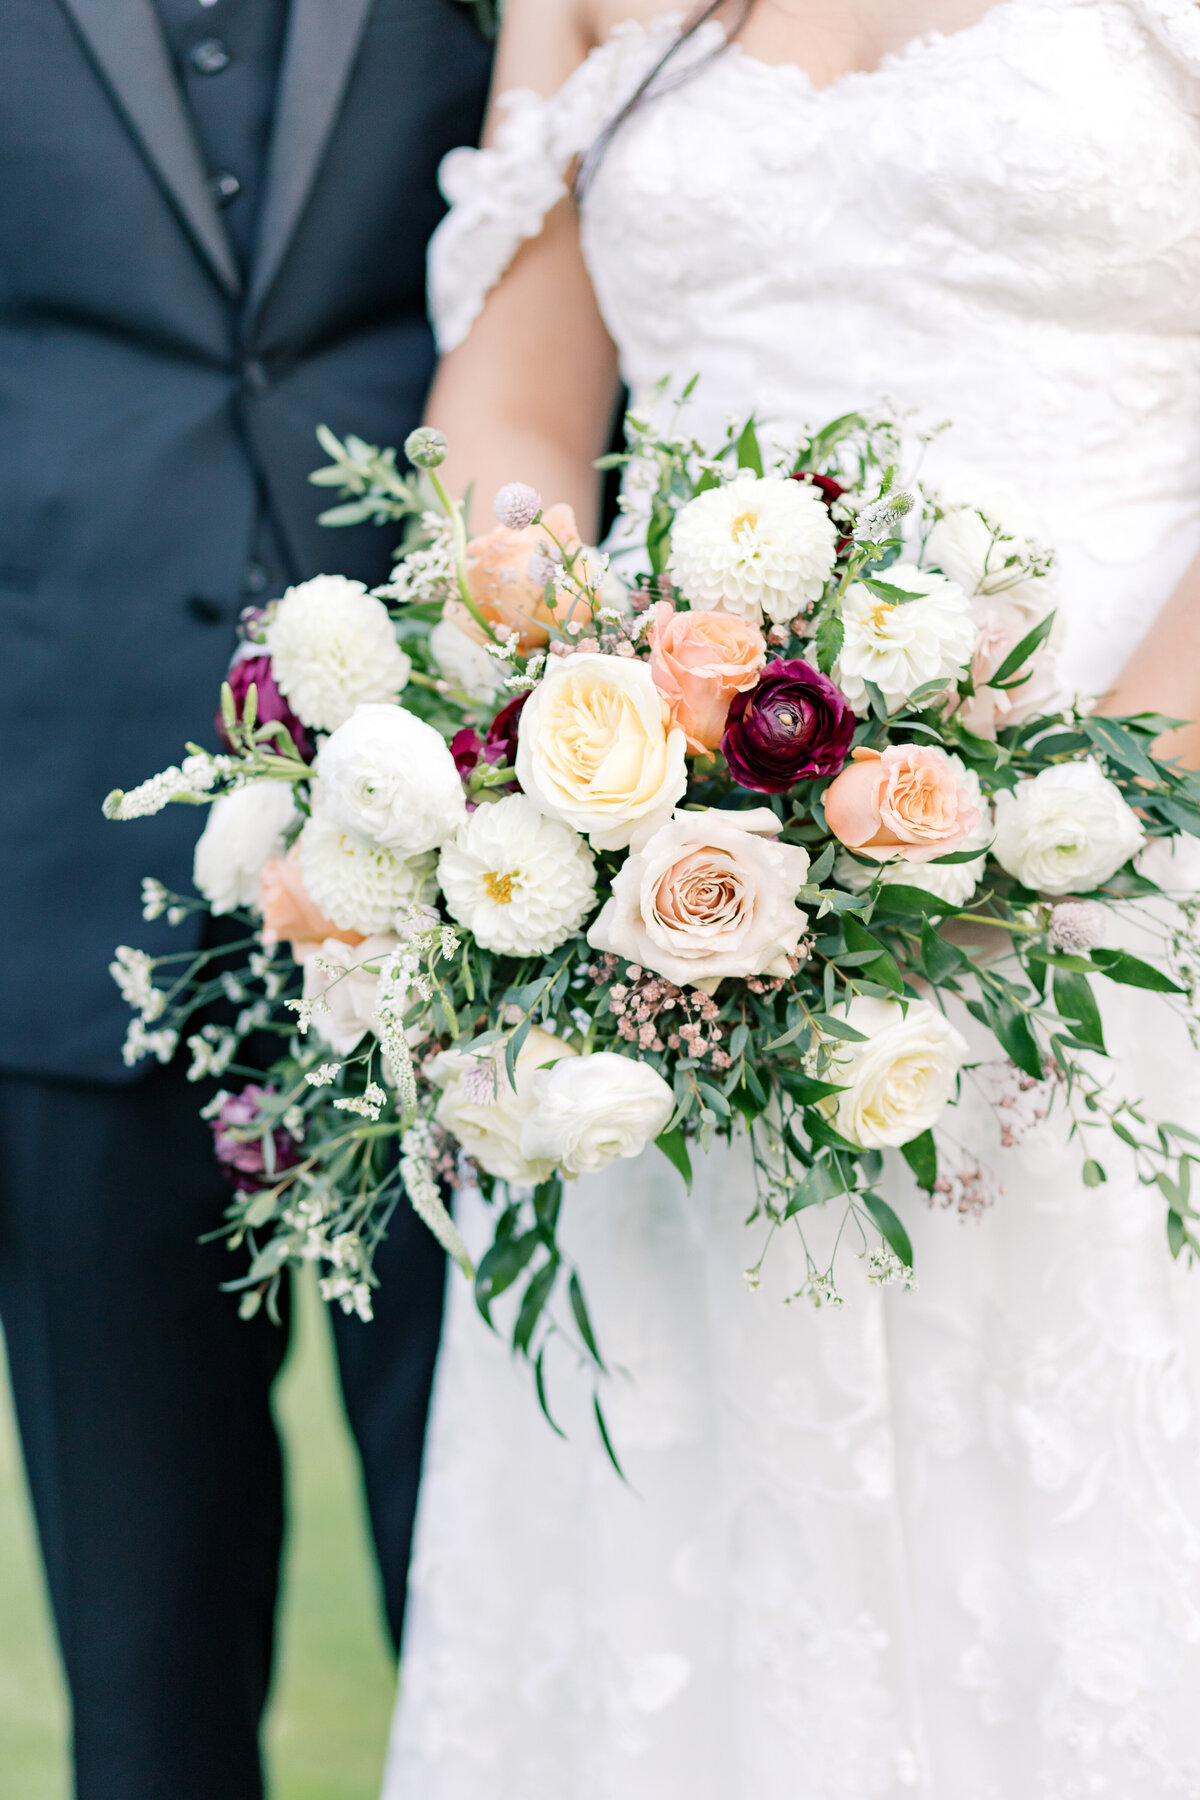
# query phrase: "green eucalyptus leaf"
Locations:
[[920, 1153], [889, 1227]]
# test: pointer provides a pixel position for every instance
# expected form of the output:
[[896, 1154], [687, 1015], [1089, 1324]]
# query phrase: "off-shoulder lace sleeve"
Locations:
[[500, 196]]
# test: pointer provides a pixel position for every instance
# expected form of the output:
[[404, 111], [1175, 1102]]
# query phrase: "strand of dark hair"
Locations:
[[596, 151]]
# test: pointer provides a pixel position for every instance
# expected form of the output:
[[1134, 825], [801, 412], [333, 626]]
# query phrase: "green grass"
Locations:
[[334, 1683]]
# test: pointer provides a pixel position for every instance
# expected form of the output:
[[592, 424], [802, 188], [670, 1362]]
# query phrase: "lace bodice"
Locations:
[[1004, 215], [942, 1544]]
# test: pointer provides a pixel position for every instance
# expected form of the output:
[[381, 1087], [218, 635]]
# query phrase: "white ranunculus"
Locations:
[[389, 777], [480, 1108], [986, 540], [757, 544], [349, 988], [358, 885], [242, 834], [596, 748], [898, 1081], [332, 647], [464, 663], [900, 645], [1066, 830], [521, 883], [592, 1111], [711, 894], [952, 882]]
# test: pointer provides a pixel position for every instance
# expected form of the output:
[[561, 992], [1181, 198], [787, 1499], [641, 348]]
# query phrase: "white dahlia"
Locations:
[[389, 777], [760, 544], [332, 647], [242, 834], [521, 883], [359, 886], [902, 644]]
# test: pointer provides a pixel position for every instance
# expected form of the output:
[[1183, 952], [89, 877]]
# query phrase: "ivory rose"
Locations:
[[507, 576], [709, 895], [590, 1111], [486, 1114], [596, 748], [898, 1080], [699, 661], [289, 914], [910, 801]]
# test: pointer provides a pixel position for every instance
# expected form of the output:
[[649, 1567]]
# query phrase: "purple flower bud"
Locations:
[[517, 505], [500, 744], [238, 1137], [466, 747], [795, 723], [255, 671]]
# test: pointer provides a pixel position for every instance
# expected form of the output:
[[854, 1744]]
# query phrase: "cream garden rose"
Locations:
[[596, 748], [709, 895], [1065, 831], [899, 1079], [486, 1114], [590, 1111]]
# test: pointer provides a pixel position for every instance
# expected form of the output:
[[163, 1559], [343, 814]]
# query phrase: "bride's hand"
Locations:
[[1163, 674]]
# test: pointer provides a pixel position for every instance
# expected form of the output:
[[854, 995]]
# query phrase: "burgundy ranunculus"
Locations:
[[830, 491], [466, 747], [500, 744], [794, 724], [255, 671], [240, 1150]]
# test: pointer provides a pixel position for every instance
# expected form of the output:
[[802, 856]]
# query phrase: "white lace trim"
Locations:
[[500, 196]]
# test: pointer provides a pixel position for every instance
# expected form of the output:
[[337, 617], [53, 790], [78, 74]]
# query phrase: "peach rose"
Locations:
[[911, 802], [699, 661], [287, 912], [503, 586]]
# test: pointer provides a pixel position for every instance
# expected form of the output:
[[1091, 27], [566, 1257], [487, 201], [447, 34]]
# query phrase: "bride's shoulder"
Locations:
[[555, 50]]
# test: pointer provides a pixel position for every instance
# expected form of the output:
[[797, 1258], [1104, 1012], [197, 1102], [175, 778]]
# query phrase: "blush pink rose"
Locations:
[[910, 801], [507, 571], [288, 915], [1003, 621], [699, 661]]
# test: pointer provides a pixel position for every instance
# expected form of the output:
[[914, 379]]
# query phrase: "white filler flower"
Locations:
[[332, 647], [464, 663], [760, 544], [1065, 831], [358, 885], [243, 832], [486, 1115], [899, 1079], [902, 644], [520, 882], [346, 978], [593, 1110], [388, 777]]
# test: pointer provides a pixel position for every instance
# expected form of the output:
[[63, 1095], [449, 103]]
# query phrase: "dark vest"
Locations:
[[164, 362]]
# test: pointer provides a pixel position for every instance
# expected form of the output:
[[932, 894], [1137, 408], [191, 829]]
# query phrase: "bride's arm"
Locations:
[[1163, 674], [529, 394]]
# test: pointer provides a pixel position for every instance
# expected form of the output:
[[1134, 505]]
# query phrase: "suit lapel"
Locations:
[[127, 45], [323, 36]]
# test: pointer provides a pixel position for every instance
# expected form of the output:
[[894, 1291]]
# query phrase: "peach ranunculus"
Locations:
[[288, 913], [709, 895], [699, 661], [911, 801], [510, 592]]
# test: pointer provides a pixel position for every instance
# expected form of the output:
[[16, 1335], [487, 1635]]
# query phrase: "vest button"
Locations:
[[224, 187], [209, 56], [255, 377]]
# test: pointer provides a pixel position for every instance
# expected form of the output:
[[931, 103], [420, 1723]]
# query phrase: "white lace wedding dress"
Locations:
[[941, 1544]]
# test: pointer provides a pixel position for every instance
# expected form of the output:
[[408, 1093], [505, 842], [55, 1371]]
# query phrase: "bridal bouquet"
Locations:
[[539, 864]]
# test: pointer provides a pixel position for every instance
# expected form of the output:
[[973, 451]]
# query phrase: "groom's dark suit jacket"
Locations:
[[158, 396], [213, 223]]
